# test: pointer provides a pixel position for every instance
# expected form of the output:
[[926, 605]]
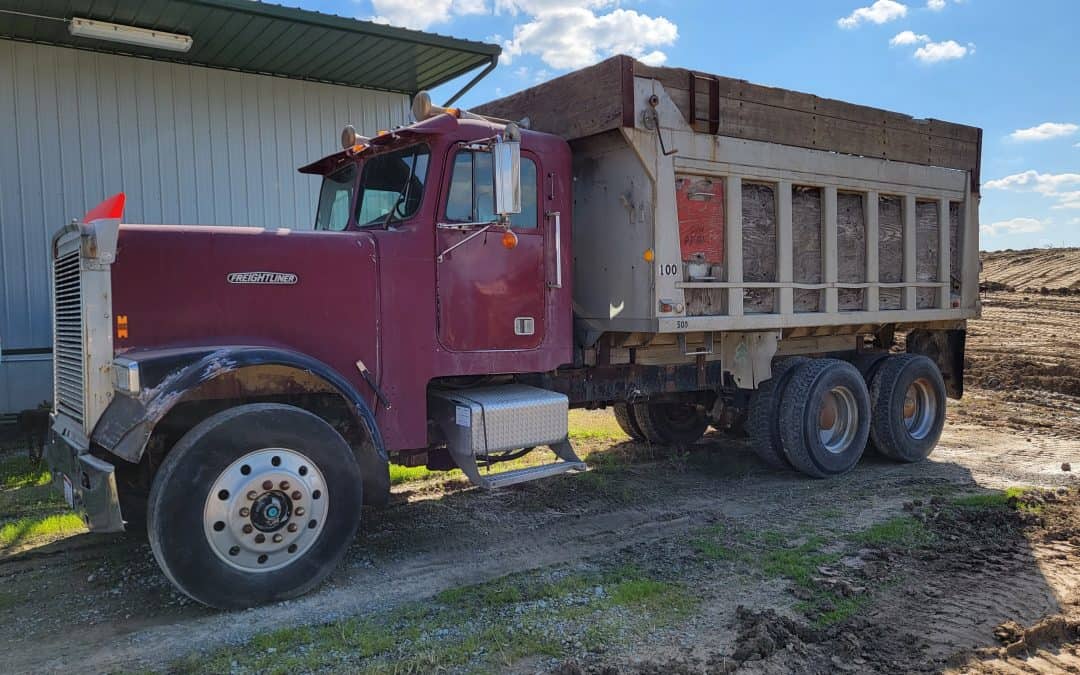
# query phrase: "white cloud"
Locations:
[[533, 7], [933, 52], [935, 5], [880, 12], [573, 36], [907, 37], [562, 33], [423, 15], [1053, 185], [1047, 184], [1013, 226], [1045, 131]]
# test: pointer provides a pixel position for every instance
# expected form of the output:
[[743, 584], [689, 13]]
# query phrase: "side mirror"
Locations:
[[507, 166]]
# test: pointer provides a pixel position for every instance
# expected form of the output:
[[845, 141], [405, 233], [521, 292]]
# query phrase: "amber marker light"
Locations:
[[648, 255], [121, 326], [509, 240]]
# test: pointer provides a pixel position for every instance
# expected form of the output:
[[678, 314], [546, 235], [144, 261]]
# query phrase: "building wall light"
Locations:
[[144, 37]]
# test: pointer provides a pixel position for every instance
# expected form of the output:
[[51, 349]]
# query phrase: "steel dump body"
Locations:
[[707, 204]]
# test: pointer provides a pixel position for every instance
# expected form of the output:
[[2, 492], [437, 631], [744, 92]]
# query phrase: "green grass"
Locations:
[[993, 500], [408, 474], [26, 529], [839, 608], [903, 532], [19, 472], [29, 506]]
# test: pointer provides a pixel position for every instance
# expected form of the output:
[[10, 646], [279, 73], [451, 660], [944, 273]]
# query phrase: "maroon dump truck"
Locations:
[[687, 249]]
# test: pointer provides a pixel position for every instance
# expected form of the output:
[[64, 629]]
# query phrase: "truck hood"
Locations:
[[185, 286]]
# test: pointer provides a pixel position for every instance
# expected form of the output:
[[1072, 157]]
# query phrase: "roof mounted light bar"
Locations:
[[132, 35]]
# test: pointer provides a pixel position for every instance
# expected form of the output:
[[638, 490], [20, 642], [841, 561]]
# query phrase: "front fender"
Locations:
[[166, 376]]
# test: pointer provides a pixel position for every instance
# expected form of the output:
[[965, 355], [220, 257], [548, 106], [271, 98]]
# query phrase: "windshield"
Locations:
[[392, 186], [335, 198]]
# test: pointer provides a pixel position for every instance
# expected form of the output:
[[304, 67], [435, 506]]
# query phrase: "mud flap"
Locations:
[[946, 349]]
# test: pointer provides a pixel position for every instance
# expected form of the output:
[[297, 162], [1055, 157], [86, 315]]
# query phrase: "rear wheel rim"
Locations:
[[920, 408], [838, 421], [265, 510]]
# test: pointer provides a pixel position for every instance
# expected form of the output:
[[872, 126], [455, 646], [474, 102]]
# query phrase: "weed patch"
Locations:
[[28, 529], [20, 472], [900, 532]]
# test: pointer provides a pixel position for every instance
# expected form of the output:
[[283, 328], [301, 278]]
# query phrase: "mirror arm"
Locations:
[[472, 236]]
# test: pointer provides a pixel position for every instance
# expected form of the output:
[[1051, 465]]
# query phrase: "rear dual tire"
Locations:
[[762, 422], [662, 423], [824, 418], [907, 392]]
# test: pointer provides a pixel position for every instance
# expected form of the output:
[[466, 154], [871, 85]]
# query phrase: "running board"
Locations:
[[499, 480]]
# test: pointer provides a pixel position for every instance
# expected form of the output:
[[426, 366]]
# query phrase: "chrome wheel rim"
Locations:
[[838, 420], [265, 510], [920, 408]]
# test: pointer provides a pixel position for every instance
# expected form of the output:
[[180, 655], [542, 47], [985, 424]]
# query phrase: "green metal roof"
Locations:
[[259, 37]]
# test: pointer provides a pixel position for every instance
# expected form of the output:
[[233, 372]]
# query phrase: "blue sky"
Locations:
[[1012, 68]]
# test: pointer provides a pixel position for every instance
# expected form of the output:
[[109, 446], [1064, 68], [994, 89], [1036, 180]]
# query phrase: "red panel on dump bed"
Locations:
[[700, 202]]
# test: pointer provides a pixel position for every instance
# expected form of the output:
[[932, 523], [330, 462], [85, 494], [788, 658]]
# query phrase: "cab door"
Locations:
[[489, 296]]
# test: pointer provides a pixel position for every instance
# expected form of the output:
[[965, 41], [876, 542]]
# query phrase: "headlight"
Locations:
[[126, 375]]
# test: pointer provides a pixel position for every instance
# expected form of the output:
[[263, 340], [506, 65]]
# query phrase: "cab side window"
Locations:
[[472, 191]]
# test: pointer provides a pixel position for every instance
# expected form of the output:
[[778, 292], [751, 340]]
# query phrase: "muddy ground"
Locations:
[[732, 566]]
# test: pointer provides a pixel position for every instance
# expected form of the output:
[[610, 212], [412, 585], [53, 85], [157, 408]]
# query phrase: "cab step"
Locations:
[[504, 478], [480, 422]]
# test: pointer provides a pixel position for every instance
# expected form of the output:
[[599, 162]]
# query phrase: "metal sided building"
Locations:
[[199, 110]]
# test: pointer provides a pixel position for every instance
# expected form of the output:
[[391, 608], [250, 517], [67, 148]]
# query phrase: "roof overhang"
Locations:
[[258, 37]]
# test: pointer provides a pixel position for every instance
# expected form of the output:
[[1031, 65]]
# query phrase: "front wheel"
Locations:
[[255, 504]]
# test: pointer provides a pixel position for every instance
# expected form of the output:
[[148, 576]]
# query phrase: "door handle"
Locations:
[[558, 249]]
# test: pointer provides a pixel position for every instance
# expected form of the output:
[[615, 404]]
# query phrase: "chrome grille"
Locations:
[[68, 336]]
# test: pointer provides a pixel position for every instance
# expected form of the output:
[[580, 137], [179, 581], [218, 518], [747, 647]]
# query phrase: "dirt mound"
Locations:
[[1015, 372], [1055, 269]]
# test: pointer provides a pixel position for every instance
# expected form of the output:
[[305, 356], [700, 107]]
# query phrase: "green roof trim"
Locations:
[[264, 38]]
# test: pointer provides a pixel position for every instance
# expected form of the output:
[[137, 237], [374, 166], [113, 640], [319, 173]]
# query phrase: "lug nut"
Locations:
[[296, 495], [284, 485], [278, 538], [291, 527], [299, 510], [252, 495], [244, 512], [260, 538], [268, 485], [247, 529]]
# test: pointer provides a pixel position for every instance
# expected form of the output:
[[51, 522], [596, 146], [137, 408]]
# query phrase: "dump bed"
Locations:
[[705, 204]]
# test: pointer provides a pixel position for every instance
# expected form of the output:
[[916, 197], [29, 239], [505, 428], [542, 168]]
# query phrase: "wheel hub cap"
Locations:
[[838, 421], [271, 511], [920, 408], [265, 510]]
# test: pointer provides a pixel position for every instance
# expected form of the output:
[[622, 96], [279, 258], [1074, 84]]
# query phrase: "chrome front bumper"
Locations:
[[92, 480]]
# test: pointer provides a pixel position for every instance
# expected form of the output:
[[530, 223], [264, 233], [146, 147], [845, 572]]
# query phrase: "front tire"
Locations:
[[825, 417], [908, 396], [255, 504]]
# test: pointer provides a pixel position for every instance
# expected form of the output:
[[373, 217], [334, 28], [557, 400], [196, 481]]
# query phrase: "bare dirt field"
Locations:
[[655, 561], [1056, 268]]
